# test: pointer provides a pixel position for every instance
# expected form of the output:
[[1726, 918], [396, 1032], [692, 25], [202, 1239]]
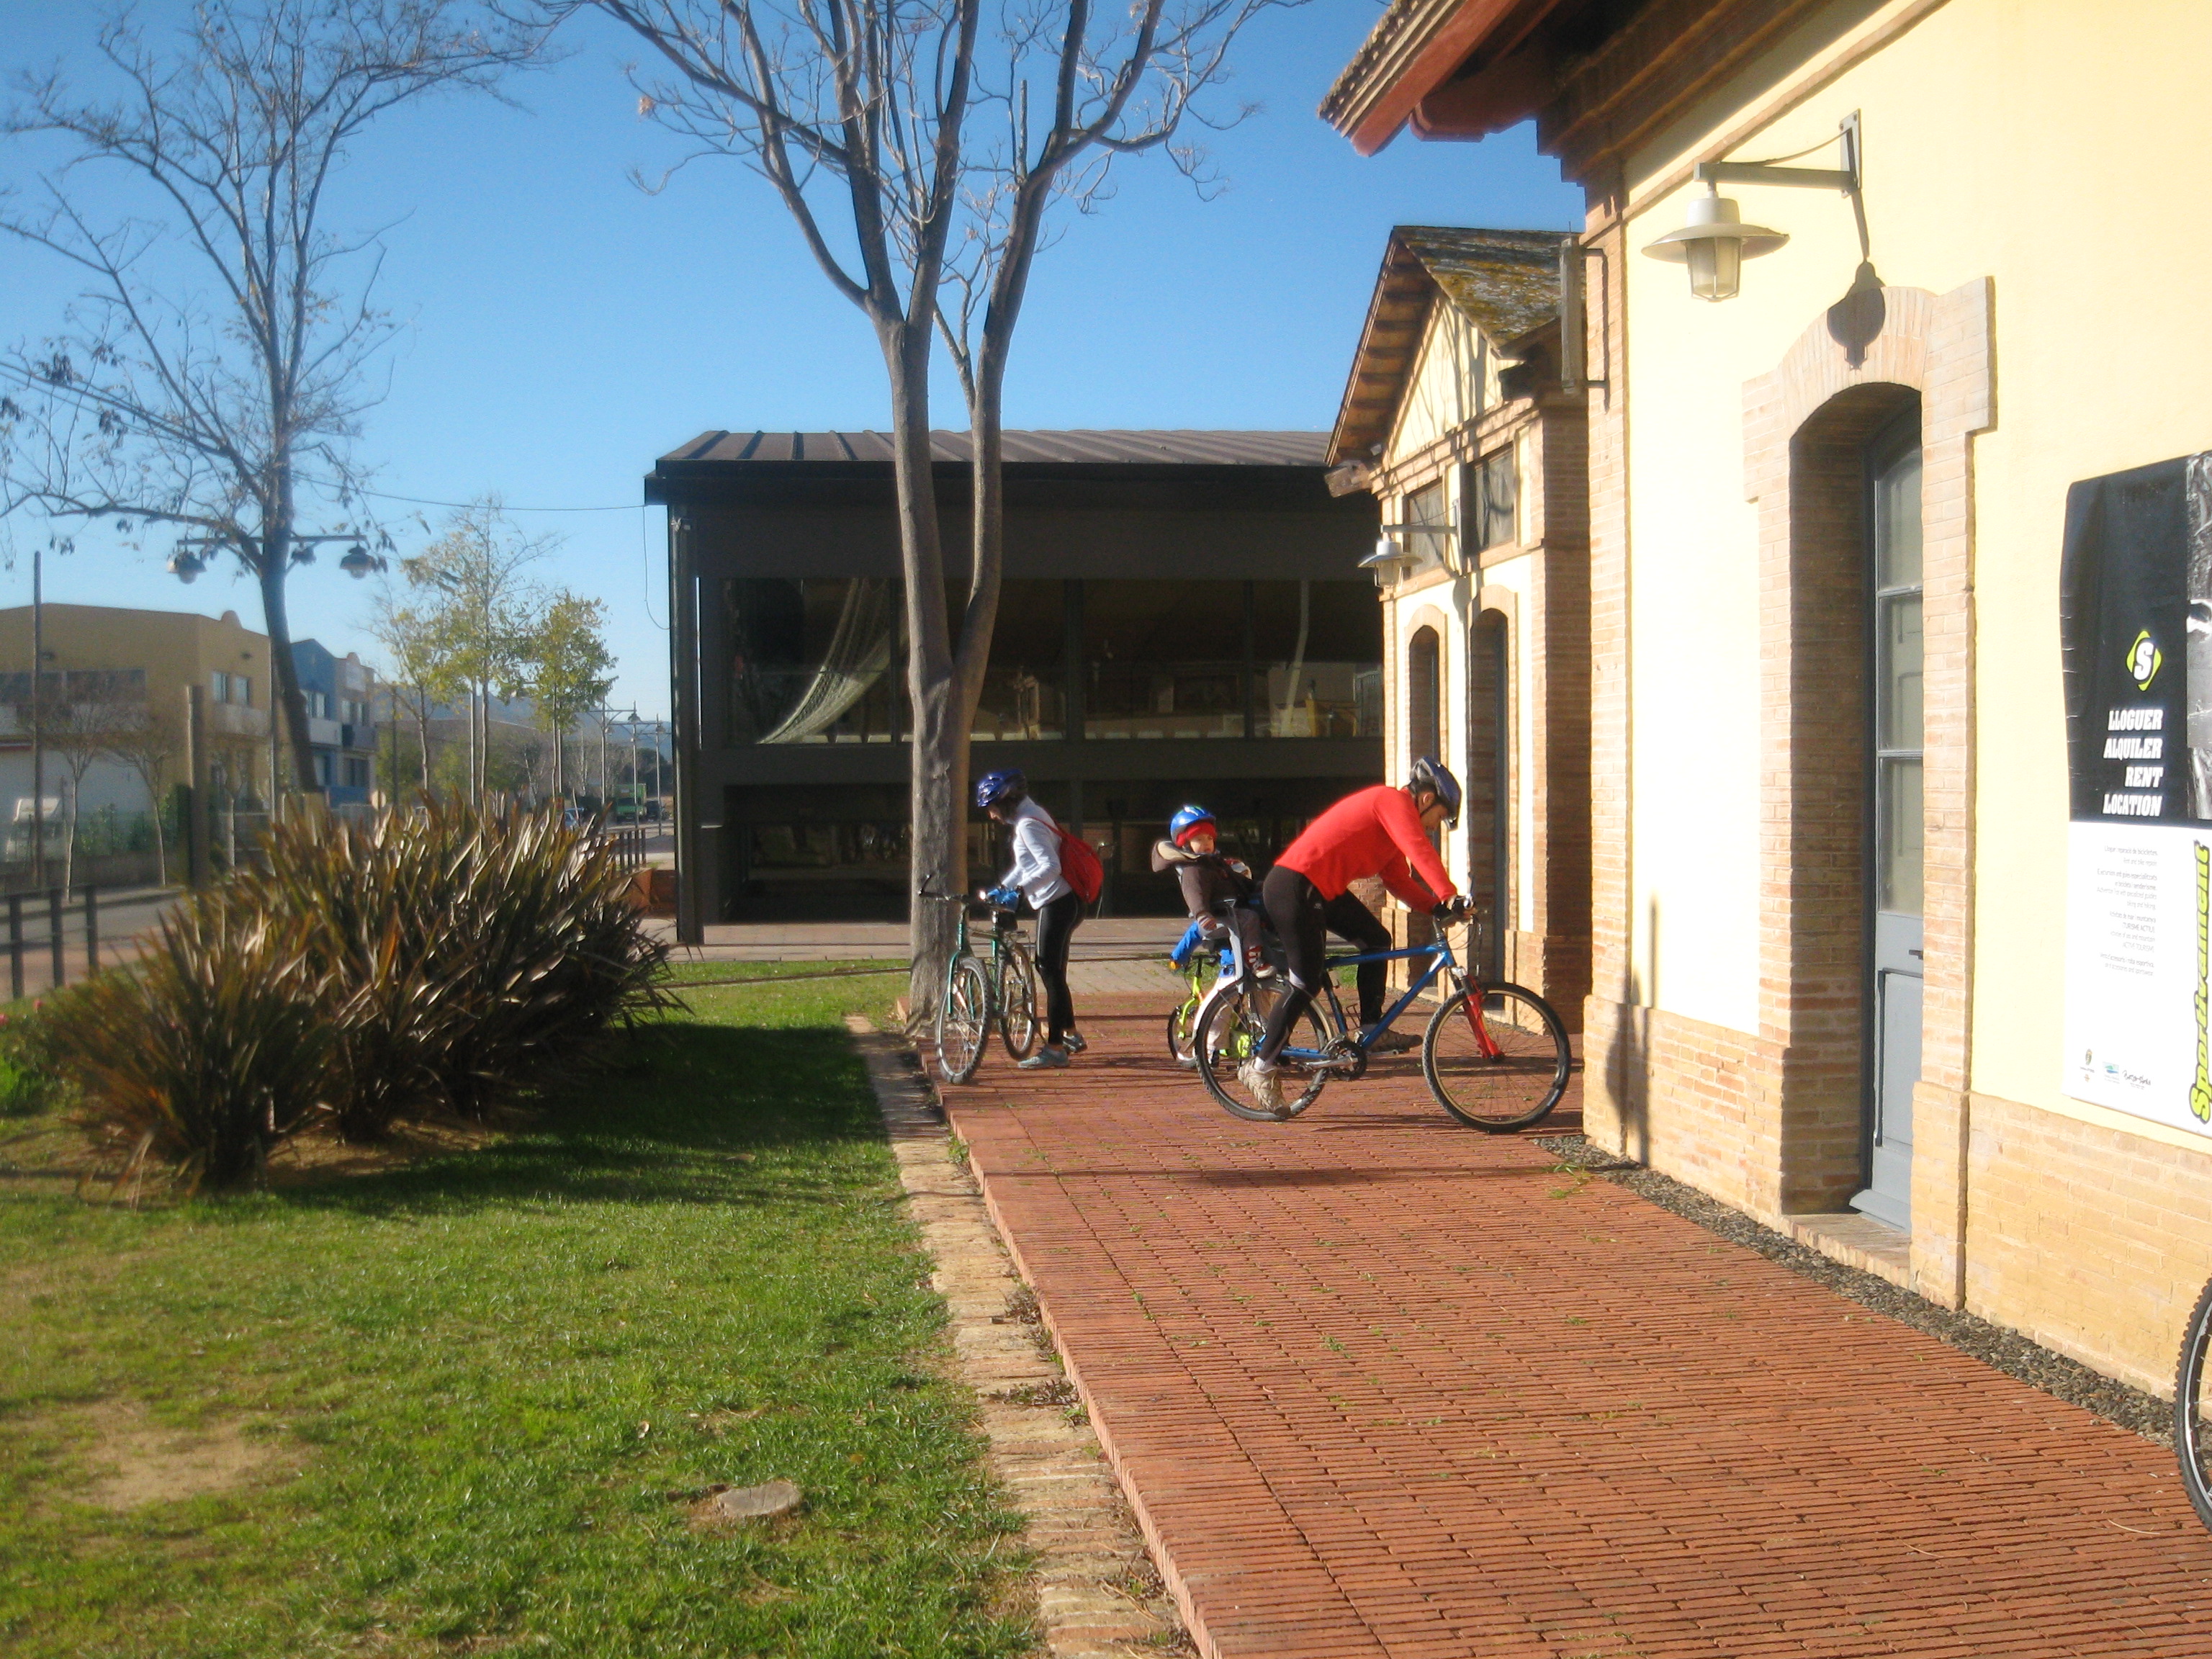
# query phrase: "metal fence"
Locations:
[[62, 934]]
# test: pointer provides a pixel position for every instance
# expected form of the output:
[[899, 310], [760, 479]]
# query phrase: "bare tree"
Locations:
[[82, 731], [902, 130], [146, 739], [220, 416]]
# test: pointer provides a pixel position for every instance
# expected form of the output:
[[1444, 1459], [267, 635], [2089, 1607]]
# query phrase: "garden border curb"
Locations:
[[1098, 1593]]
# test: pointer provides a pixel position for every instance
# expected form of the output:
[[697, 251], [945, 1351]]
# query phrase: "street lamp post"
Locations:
[[187, 563]]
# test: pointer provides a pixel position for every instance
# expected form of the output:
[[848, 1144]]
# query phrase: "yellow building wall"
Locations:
[[2049, 146], [1454, 380], [175, 649]]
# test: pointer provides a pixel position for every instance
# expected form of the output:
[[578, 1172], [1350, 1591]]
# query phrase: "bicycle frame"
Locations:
[[1441, 961]]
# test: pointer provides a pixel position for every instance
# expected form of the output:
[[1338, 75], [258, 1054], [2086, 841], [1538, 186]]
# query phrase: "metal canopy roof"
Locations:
[[1506, 282], [1170, 448]]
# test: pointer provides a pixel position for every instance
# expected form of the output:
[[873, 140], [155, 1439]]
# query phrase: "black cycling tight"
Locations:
[[1302, 919]]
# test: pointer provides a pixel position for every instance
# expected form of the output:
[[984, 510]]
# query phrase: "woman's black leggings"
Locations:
[[1057, 919], [1302, 919]]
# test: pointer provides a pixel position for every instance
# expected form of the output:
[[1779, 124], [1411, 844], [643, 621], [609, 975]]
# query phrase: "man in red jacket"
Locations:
[[1379, 831]]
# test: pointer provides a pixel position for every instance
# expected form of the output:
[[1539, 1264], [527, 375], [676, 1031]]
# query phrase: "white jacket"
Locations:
[[1036, 856]]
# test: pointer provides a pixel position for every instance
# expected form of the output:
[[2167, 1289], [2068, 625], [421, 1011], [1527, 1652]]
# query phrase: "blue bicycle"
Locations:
[[1495, 1056]]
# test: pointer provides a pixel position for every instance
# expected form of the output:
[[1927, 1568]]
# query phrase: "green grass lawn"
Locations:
[[466, 1404]]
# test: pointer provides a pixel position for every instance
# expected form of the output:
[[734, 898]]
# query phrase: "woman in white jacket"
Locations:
[[1036, 877]]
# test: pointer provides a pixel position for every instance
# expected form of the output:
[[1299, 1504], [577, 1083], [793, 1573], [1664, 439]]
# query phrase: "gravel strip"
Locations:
[[1993, 1344]]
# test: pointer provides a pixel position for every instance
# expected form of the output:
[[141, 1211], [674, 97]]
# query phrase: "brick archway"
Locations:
[[1804, 426]]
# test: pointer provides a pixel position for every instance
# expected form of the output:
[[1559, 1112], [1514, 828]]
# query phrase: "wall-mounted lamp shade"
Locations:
[[1714, 245], [1385, 550]]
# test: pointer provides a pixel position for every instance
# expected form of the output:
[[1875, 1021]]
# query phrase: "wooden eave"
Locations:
[[1502, 281], [1601, 79]]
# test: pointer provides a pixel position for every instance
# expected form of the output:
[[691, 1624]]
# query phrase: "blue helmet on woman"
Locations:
[[1187, 820], [1001, 788]]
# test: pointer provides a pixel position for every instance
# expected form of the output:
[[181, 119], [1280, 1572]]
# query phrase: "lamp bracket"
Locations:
[[1757, 172]]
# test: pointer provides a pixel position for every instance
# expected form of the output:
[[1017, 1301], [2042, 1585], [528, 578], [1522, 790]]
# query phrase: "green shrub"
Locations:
[[26, 1082], [216, 1047], [435, 959]]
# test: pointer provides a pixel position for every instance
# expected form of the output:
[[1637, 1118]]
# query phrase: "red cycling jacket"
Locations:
[[1375, 832]]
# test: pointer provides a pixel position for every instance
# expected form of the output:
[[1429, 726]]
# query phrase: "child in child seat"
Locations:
[[1210, 879]]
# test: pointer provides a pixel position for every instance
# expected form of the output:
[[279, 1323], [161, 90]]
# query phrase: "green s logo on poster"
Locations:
[[2144, 660]]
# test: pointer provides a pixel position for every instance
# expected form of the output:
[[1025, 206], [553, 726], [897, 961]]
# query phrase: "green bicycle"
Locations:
[[1201, 973], [978, 994]]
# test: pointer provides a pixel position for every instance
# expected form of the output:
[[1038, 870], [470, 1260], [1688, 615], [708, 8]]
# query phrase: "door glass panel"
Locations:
[[1901, 669], [1903, 837]]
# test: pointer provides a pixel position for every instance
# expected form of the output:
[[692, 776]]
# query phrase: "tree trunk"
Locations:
[[290, 701], [938, 840]]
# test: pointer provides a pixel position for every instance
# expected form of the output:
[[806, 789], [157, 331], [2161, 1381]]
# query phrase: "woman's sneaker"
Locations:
[[1391, 1042], [1074, 1042], [1042, 1059]]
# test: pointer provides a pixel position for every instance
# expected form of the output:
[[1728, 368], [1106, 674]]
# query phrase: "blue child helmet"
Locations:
[[1001, 789], [1188, 820]]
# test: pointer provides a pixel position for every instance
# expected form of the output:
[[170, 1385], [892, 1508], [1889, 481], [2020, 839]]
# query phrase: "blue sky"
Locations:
[[563, 328]]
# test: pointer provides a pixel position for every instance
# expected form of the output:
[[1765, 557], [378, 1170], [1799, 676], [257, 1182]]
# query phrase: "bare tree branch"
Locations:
[[154, 405]]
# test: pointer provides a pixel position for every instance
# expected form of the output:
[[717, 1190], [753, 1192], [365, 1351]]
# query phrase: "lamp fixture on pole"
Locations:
[[1716, 242], [188, 562]]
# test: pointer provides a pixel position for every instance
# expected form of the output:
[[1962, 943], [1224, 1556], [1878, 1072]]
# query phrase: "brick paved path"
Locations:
[[1379, 1384]]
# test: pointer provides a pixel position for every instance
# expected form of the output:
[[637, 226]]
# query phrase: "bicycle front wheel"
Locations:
[[964, 1020], [1231, 1028], [2192, 1409], [1509, 1088], [1020, 1028]]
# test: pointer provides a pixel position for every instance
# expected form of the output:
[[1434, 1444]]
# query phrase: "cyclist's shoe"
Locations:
[[1390, 1043], [1045, 1058], [1265, 1085], [1074, 1042]]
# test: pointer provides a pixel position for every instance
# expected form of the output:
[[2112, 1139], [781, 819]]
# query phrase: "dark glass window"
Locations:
[[1424, 715], [1494, 496], [1317, 660], [1025, 685], [1164, 659], [1425, 505], [812, 660]]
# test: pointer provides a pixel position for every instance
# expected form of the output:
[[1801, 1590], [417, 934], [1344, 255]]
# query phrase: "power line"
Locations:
[[504, 507]]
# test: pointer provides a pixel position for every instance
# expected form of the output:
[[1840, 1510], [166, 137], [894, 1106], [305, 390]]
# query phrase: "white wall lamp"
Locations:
[[1391, 556], [1716, 242]]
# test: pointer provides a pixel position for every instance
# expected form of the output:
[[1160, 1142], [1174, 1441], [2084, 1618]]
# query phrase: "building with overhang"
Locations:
[[1901, 737], [1460, 418], [1183, 619]]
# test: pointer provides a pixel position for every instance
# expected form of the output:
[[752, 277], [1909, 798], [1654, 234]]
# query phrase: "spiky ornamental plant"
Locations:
[[467, 954], [214, 1051]]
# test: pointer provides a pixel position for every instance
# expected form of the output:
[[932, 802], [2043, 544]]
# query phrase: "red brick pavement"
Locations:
[[1378, 1384]]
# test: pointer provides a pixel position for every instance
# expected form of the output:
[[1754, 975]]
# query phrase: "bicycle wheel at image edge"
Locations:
[[1508, 1091], [2191, 1432], [964, 1020], [1019, 1027], [1230, 1032]]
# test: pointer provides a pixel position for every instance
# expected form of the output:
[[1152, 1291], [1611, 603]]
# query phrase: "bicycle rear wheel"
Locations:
[[964, 1020], [1231, 1027], [1019, 1027], [2192, 1408], [1511, 1089]]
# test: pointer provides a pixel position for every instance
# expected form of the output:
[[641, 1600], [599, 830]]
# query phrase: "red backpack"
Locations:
[[1079, 866]]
